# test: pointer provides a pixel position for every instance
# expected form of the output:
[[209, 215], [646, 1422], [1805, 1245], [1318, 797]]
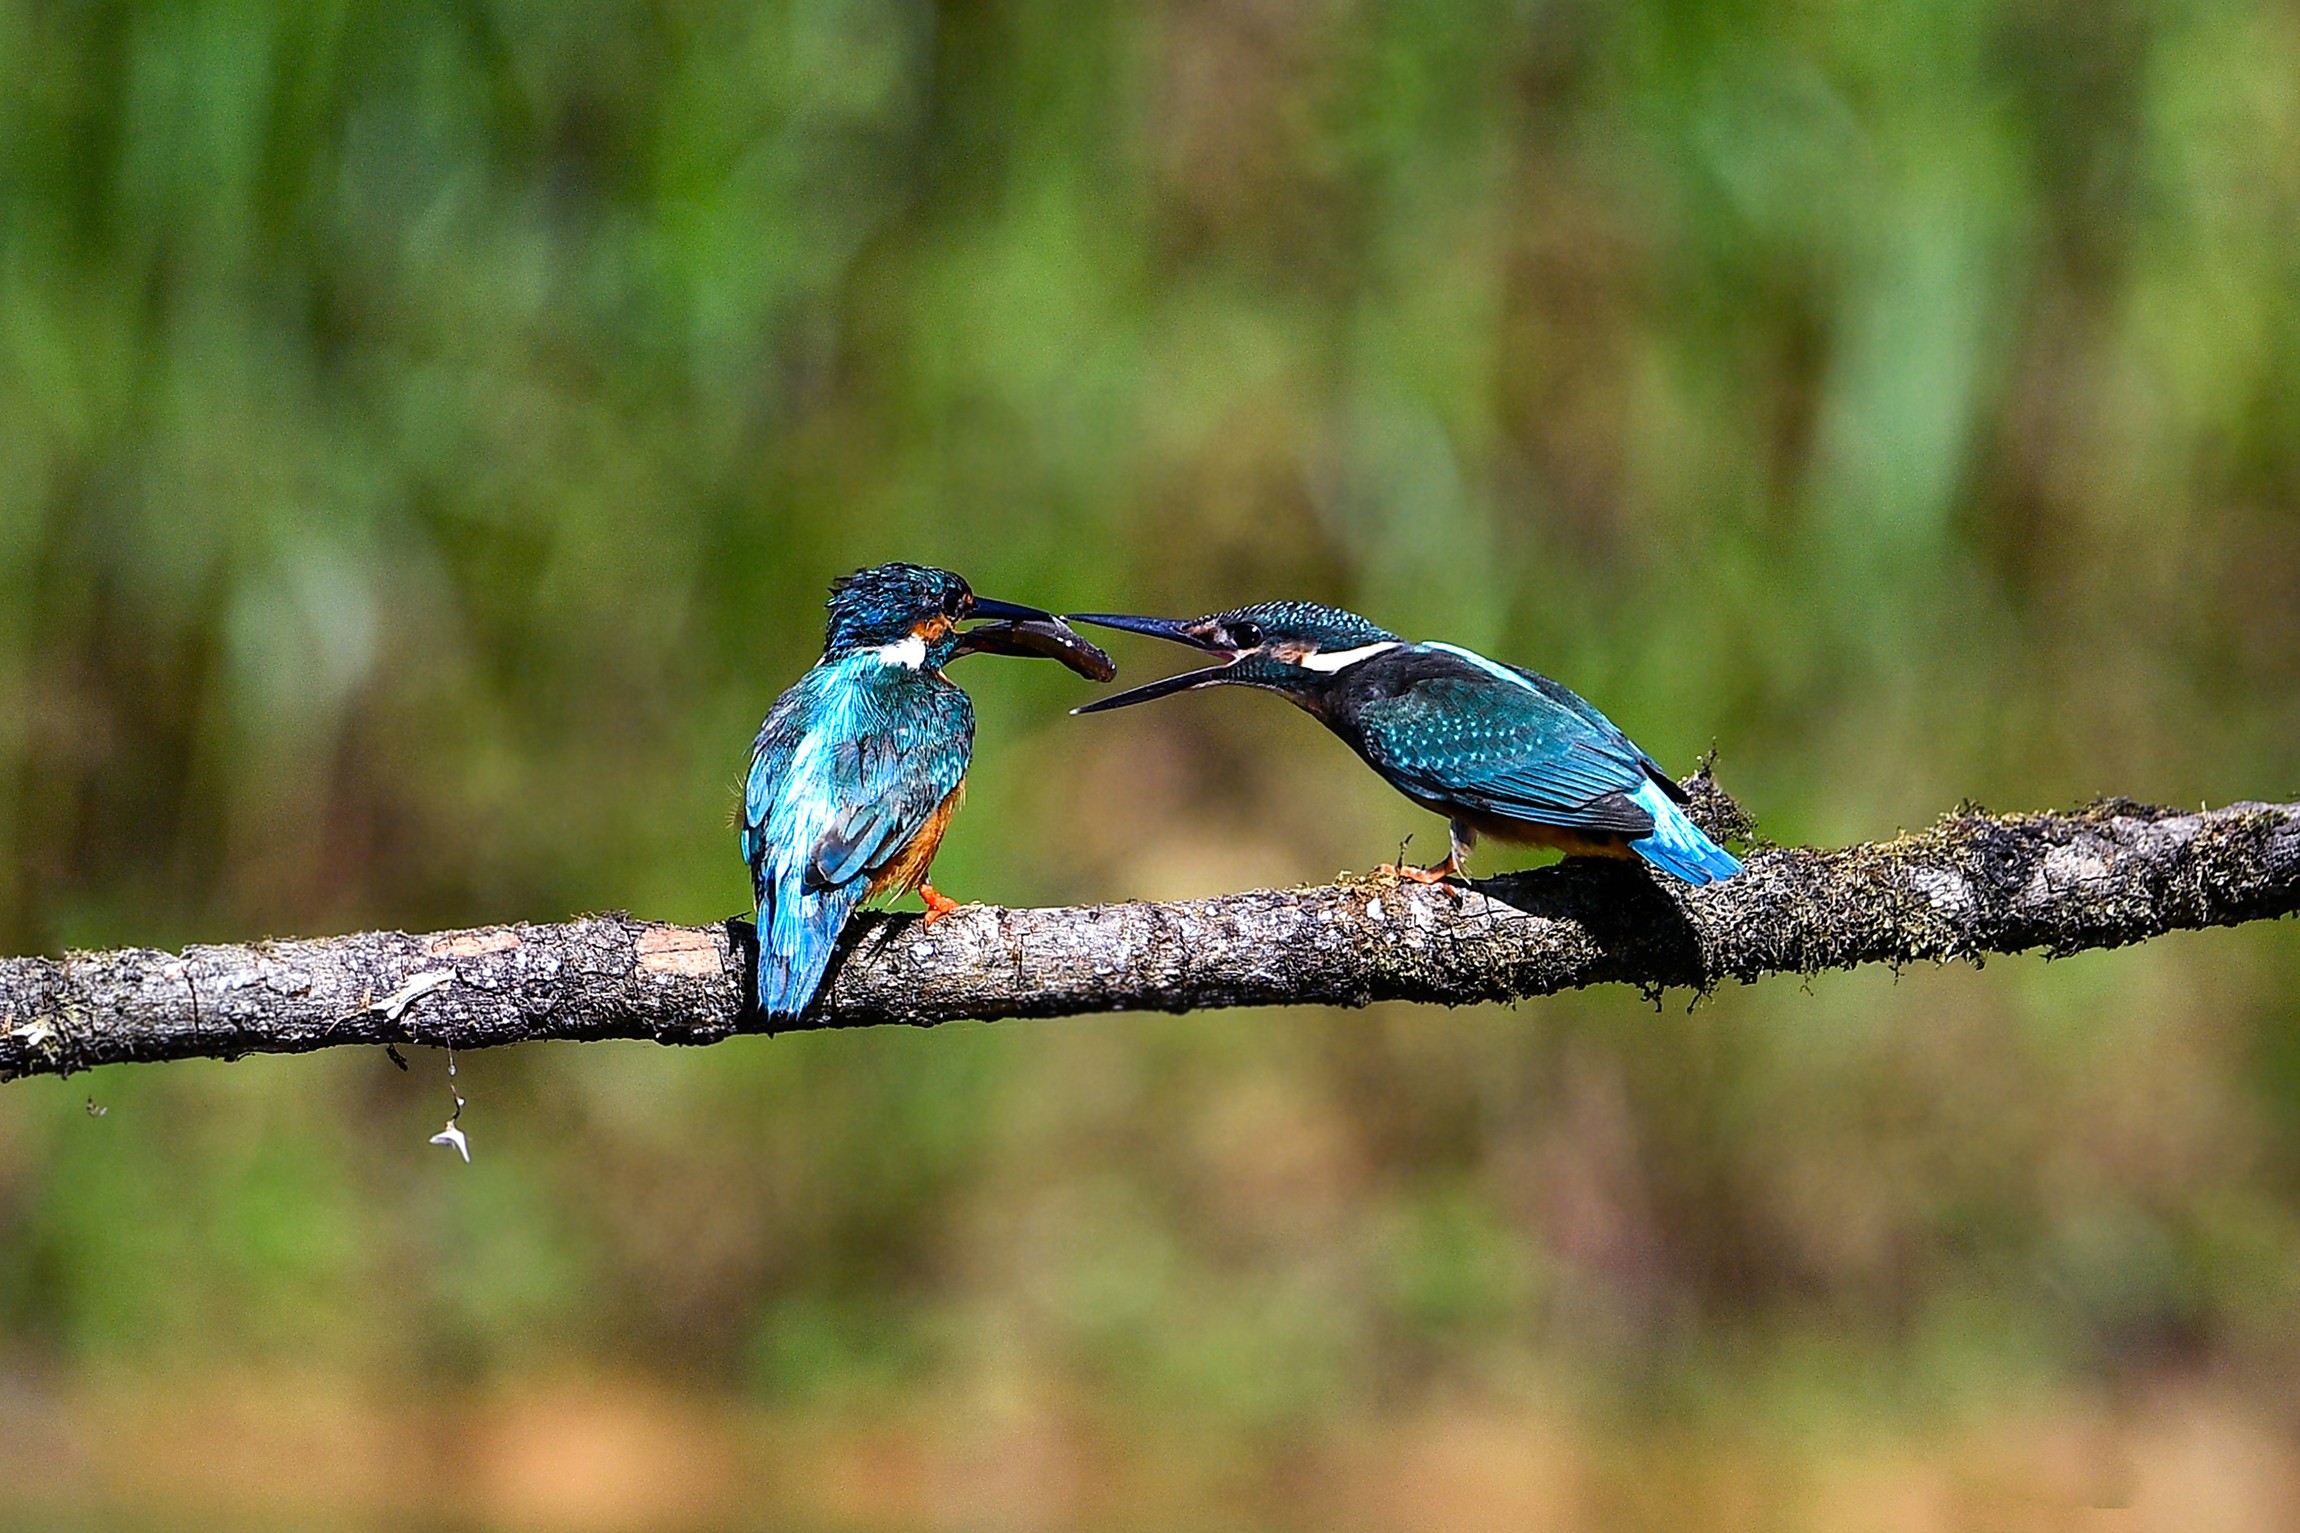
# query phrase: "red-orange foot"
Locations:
[[1448, 869], [937, 905]]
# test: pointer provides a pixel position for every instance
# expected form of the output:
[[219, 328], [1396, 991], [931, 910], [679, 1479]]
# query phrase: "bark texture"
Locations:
[[1972, 885]]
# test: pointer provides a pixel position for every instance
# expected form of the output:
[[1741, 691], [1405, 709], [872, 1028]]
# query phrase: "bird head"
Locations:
[[1294, 647], [910, 614]]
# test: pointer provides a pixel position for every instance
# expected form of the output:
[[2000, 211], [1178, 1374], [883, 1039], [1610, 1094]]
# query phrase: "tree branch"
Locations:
[[1972, 885]]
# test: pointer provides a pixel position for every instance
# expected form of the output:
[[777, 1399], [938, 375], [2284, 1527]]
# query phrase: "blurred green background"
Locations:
[[426, 433]]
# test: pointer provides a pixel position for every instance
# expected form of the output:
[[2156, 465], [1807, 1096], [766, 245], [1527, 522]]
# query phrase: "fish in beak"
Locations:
[[1019, 630], [1202, 633]]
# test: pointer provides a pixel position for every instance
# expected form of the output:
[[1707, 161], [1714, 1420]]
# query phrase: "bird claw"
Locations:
[[1442, 875], [937, 905]]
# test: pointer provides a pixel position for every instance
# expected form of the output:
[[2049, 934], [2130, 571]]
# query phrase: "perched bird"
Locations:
[[1497, 750], [856, 771]]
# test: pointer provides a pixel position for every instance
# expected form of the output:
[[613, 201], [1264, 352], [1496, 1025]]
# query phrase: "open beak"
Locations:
[[1177, 630], [1018, 630]]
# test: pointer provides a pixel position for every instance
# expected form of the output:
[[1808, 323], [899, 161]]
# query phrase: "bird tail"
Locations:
[[1676, 845], [798, 930]]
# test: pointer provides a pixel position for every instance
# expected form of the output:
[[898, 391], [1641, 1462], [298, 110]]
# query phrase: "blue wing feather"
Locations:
[[1502, 747], [849, 766]]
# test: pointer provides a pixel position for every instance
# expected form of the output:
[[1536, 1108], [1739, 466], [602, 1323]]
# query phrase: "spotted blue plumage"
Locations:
[[1471, 733]]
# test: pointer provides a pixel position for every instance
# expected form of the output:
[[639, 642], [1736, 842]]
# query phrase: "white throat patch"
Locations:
[[908, 653], [1343, 659]]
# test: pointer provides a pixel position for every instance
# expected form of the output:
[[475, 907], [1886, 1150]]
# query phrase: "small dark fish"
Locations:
[[1049, 638]]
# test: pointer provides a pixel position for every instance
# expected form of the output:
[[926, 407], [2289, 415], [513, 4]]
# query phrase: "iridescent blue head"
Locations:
[[908, 614], [1294, 647]]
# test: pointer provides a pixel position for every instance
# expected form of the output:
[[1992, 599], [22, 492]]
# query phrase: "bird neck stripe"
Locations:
[[1343, 659], [908, 653], [1491, 667]]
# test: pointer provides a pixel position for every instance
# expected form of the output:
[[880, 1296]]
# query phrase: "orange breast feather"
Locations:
[[907, 869]]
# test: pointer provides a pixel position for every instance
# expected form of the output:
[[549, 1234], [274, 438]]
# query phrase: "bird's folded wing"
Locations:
[[887, 785], [1566, 697], [1492, 745]]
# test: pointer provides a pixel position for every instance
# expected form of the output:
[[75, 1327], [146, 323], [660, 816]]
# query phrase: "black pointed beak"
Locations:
[[1017, 630], [1176, 630], [1213, 675], [985, 607]]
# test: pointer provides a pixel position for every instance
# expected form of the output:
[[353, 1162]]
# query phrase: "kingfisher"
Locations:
[[858, 767], [1498, 750]]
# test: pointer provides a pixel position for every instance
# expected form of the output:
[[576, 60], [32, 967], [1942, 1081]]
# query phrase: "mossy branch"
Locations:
[[1972, 885]]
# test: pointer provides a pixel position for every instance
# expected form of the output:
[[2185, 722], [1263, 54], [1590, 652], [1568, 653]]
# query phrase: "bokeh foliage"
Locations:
[[426, 430]]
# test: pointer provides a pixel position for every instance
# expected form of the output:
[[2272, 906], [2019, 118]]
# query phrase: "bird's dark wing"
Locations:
[[1566, 697], [1458, 730]]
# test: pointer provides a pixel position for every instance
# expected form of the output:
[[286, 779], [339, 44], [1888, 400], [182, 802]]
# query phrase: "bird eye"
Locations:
[[954, 600], [1246, 635]]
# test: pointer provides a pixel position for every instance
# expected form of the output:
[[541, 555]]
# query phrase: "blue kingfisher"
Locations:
[[859, 765], [1496, 749]]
